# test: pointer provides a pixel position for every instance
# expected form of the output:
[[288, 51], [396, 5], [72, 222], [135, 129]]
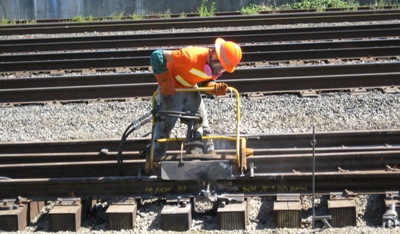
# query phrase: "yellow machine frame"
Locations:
[[240, 143]]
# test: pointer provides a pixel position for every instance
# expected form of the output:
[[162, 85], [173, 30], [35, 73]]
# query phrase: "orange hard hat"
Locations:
[[229, 54]]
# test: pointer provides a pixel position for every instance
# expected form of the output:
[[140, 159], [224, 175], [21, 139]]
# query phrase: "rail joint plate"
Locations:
[[196, 170]]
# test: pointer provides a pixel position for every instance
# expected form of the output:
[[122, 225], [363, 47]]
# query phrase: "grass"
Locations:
[[204, 11], [253, 9], [82, 19]]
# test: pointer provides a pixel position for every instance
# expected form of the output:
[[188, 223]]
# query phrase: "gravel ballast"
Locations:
[[273, 114]]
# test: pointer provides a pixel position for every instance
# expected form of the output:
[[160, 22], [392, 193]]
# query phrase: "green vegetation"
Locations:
[[183, 15], [167, 14], [253, 9], [8, 22], [135, 16], [30, 22], [321, 5], [14, 22], [318, 5], [204, 11], [82, 19], [379, 4]]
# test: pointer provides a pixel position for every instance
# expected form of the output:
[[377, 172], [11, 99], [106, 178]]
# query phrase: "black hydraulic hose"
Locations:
[[128, 131], [144, 119], [120, 162]]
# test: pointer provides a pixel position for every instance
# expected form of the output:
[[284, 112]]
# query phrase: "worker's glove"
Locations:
[[165, 82], [158, 62], [219, 88]]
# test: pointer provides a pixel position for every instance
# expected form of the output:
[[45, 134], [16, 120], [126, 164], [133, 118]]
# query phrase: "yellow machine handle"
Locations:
[[150, 164]]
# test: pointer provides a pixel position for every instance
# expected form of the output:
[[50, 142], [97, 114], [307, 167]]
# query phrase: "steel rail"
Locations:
[[247, 48], [342, 139], [60, 157], [29, 158], [220, 21], [241, 73], [332, 161], [201, 38], [128, 59], [142, 186], [143, 36], [375, 149], [290, 79], [363, 158], [282, 163], [70, 169]]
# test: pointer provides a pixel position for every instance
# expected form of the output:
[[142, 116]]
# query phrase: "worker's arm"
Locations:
[[168, 55], [159, 65], [159, 59]]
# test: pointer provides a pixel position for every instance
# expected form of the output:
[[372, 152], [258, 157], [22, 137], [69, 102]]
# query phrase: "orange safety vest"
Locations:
[[187, 68]]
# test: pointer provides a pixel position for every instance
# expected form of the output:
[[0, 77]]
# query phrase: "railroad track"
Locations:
[[260, 48], [74, 172], [200, 22], [285, 159], [363, 162], [160, 40], [264, 80], [111, 59]]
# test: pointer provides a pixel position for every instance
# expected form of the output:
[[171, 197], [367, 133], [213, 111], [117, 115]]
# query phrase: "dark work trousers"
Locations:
[[180, 101]]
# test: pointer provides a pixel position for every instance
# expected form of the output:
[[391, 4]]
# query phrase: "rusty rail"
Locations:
[[342, 163]]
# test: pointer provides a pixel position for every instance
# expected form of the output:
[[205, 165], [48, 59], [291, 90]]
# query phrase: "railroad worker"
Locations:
[[185, 68]]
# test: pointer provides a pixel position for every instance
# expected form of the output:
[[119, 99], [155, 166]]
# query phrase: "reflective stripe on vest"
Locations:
[[195, 72], [182, 81]]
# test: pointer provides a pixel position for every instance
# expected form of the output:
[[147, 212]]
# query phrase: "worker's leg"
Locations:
[[208, 144], [194, 103], [163, 129]]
